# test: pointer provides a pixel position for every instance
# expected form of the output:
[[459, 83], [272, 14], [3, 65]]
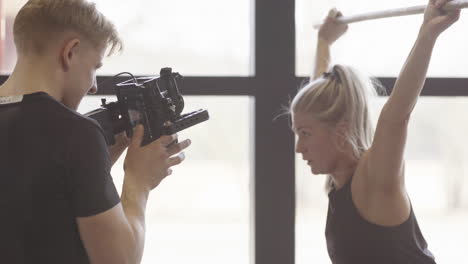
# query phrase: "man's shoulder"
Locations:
[[57, 112], [81, 124]]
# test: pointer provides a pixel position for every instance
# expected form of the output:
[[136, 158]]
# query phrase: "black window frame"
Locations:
[[274, 82]]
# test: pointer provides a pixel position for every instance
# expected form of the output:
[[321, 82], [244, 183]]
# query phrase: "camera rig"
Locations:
[[153, 101]]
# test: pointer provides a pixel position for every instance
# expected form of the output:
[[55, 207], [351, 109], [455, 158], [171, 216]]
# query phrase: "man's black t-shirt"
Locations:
[[54, 167]]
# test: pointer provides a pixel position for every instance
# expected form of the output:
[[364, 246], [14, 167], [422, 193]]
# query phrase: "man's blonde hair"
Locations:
[[40, 21]]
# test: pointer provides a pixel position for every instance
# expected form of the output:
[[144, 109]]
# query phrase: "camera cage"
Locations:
[[153, 101]]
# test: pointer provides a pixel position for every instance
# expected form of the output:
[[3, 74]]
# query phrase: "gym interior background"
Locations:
[[242, 196]]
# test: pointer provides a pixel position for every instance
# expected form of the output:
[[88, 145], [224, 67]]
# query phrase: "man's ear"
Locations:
[[69, 53]]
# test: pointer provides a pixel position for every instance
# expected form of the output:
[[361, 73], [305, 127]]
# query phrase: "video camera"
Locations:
[[154, 102]]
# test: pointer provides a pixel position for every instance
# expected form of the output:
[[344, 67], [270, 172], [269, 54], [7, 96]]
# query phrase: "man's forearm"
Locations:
[[134, 200]]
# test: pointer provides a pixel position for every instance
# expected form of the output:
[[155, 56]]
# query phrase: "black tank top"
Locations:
[[353, 240]]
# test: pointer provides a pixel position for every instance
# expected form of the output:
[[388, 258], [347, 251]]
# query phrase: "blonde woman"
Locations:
[[370, 217]]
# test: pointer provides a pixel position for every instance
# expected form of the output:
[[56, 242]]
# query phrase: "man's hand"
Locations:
[[145, 167], [121, 143]]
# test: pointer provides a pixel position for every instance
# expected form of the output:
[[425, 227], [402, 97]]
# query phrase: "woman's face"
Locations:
[[316, 143]]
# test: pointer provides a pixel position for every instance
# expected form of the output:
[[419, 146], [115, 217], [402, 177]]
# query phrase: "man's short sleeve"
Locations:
[[90, 183]]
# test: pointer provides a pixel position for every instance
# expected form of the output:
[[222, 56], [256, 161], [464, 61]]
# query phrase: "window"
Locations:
[[435, 152], [378, 47], [436, 158], [207, 219], [178, 34], [8, 52], [201, 213], [181, 34]]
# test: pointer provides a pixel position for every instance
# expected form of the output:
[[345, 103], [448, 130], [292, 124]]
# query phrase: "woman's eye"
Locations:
[[304, 133]]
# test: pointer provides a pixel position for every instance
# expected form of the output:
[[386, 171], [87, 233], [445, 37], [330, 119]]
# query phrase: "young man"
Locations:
[[58, 203]]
